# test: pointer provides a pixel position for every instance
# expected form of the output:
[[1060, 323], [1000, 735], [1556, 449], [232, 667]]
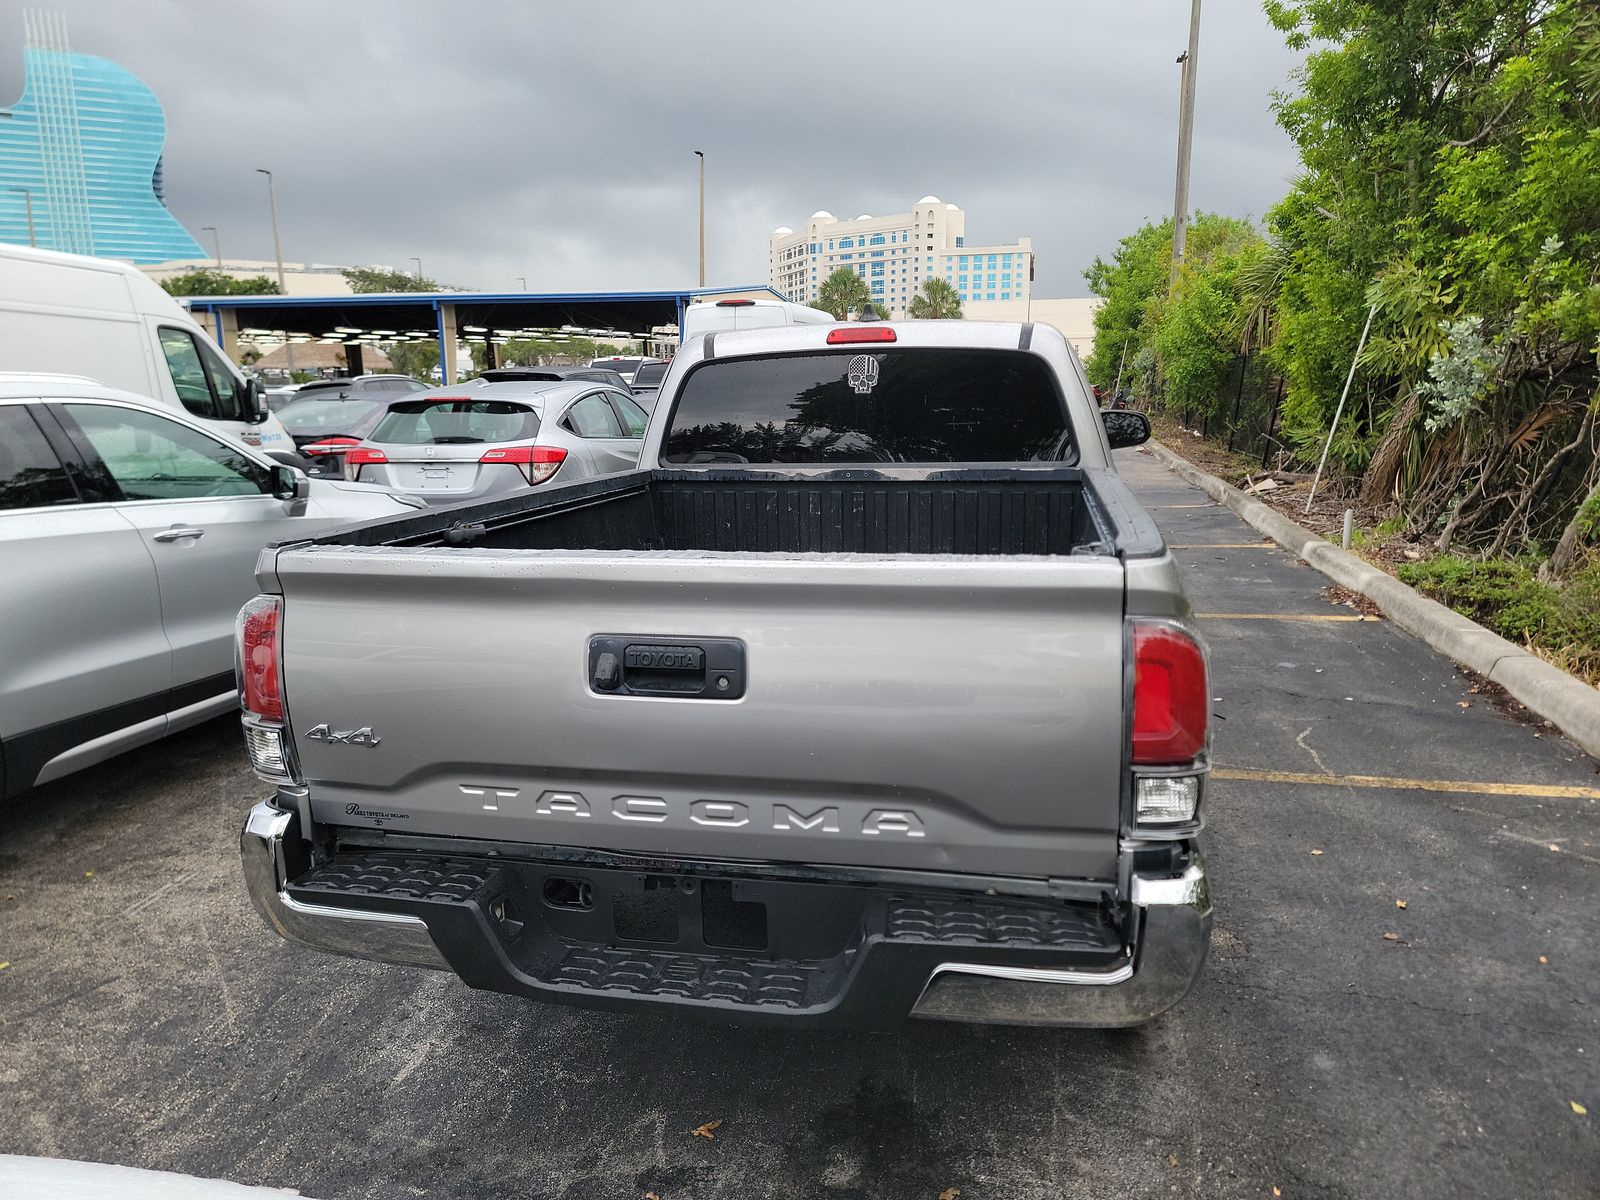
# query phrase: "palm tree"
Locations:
[[937, 301], [842, 293]]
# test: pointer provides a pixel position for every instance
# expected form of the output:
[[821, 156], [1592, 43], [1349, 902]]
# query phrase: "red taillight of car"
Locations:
[[1171, 698], [537, 463], [849, 335], [333, 445], [735, 303], [357, 457], [256, 658]]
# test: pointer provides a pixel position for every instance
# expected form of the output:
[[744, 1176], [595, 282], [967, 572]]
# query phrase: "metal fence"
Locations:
[[1246, 414]]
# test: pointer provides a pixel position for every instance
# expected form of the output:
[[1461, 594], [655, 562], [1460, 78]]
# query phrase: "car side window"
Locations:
[[591, 417], [153, 458], [31, 476], [634, 418], [203, 382]]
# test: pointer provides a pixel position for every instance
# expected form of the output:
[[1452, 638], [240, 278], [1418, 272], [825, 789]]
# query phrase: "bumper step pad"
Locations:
[[967, 922], [435, 879], [689, 976]]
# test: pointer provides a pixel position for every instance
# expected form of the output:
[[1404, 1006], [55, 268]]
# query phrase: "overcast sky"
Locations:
[[555, 141]]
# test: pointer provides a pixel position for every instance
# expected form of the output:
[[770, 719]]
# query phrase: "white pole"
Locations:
[[1339, 412]]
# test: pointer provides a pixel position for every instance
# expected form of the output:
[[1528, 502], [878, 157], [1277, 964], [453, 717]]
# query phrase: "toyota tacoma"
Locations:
[[872, 694]]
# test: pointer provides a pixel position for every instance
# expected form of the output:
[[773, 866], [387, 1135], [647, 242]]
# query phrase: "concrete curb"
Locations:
[[1568, 703]]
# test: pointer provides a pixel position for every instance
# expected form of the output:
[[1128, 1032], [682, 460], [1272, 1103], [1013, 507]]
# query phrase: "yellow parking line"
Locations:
[[1222, 545], [1542, 790], [1282, 617]]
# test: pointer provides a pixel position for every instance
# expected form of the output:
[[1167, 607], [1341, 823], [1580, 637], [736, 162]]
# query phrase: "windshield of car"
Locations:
[[618, 364], [649, 374], [908, 406], [327, 413], [442, 422]]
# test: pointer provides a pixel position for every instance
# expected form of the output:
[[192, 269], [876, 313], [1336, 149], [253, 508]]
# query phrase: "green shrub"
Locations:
[[1508, 598]]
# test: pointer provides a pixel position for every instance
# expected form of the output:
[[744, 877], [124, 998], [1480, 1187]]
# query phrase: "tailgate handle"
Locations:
[[674, 667]]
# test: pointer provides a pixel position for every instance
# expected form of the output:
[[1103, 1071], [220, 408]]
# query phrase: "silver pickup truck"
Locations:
[[873, 693]]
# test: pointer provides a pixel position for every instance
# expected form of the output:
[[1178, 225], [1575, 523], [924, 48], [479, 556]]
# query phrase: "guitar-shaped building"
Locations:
[[80, 157]]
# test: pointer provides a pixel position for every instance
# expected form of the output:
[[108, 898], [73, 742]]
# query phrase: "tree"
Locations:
[[417, 359], [363, 280], [842, 293], [203, 281], [937, 301]]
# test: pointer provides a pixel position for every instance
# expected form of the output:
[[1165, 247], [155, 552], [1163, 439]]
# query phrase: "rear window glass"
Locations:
[[315, 415], [442, 422], [31, 476], [908, 406], [650, 375]]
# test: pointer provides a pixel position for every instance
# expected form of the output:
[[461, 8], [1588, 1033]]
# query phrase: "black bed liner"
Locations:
[[981, 510]]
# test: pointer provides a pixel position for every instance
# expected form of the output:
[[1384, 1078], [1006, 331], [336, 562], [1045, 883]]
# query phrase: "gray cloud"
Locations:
[[496, 140]]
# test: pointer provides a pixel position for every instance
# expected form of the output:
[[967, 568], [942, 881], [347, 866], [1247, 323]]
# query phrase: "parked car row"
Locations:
[[141, 474]]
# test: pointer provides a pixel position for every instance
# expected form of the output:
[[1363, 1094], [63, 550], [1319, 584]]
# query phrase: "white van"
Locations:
[[714, 317], [73, 315]]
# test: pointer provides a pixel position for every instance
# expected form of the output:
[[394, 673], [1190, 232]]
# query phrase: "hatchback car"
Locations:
[[623, 364], [455, 444], [128, 544], [324, 427], [647, 384]]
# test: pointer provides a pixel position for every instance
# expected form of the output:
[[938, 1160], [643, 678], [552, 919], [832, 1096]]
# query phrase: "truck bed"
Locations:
[[1045, 510]]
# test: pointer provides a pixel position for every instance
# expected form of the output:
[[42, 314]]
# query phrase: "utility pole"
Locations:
[[216, 242], [277, 250], [700, 154], [1189, 60], [27, 199]]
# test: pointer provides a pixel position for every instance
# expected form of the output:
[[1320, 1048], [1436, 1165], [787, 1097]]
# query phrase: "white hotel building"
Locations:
[[895, 254]]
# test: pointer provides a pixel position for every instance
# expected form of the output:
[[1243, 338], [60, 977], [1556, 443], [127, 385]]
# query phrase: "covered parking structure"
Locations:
[[480, 318]]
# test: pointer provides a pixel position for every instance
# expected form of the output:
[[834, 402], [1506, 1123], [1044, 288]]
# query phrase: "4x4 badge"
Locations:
[[349, 737]]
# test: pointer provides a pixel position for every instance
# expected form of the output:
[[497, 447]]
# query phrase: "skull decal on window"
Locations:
[[862, 372]]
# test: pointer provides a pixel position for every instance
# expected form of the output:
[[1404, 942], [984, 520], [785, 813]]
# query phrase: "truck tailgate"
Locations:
[[937, 713]]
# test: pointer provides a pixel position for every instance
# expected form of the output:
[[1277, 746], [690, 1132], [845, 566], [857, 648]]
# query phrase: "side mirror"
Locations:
[[1125, 428], [291, 485], [255, 402]]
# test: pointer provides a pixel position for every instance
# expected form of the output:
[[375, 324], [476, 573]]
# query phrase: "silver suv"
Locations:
[[128, 543], [454, 443]]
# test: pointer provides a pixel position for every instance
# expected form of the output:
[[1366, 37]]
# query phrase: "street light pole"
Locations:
[[523, 280], [27, 200], [418, 261], [700, 154], [277, 251], [216, 242], [1190, 61]]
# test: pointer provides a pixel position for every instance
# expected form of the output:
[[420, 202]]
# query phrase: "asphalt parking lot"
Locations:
[[1340, 1045]]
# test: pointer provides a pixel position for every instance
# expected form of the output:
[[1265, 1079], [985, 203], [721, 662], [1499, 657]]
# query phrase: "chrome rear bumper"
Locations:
[[384, 937], [1174, 933], [1172, 923]]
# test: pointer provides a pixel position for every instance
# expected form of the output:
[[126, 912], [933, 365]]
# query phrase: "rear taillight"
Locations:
[[256, 658], [258, 663], [850, 334], [1170, 696], [357, 457], [333, 445], [735, 303], [537, 463]]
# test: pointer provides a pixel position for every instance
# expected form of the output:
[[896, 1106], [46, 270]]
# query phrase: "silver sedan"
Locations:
[[458, 443]]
